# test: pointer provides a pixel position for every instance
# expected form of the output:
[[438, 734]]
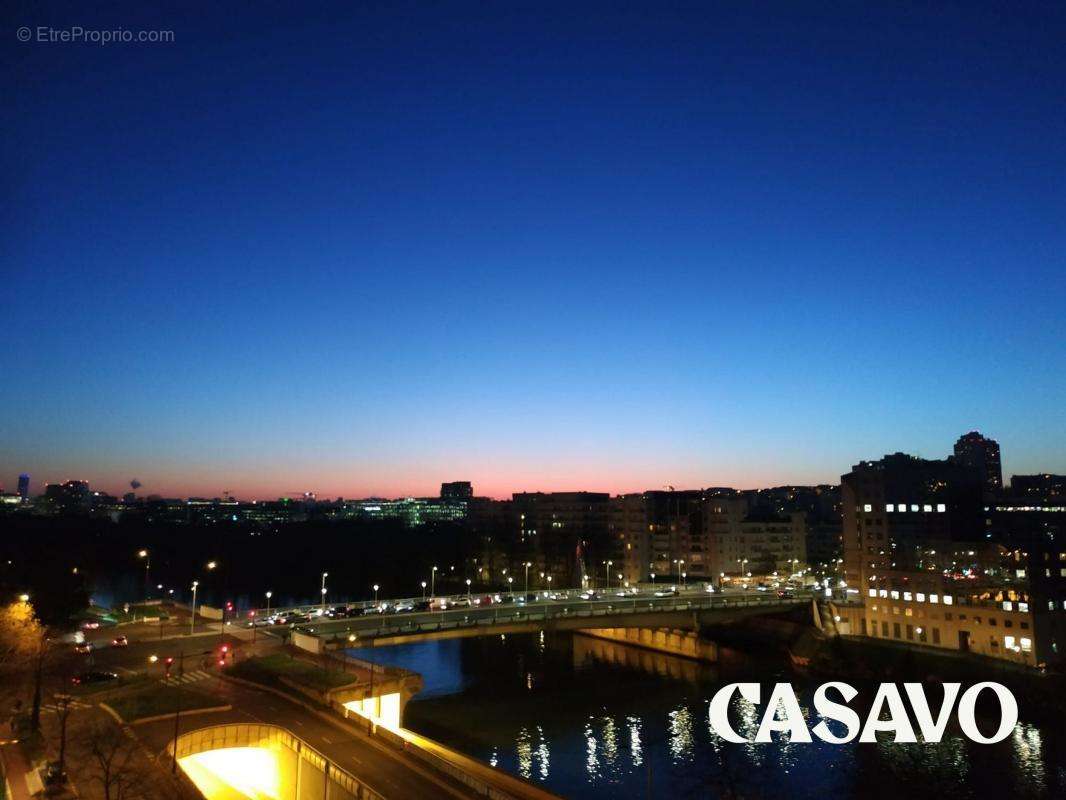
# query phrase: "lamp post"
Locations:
[[680, 564], [468, 597], [620, 580], [528, 565], [269, 594], [607, 575], [324, 576], [376, 587], [510, 586], [433, 582], [147, 565], [684, 575], [192, 619], [423, 590], [549, 579]]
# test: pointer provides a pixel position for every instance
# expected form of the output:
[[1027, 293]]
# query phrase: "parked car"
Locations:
[[88, 678]]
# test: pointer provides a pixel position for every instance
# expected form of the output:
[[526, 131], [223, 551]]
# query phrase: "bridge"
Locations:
[[682, 612]]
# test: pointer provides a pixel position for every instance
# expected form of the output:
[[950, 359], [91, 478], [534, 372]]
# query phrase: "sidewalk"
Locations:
[[22, 781]]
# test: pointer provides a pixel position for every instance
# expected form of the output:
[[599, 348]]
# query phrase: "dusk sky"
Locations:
[[363, 250]]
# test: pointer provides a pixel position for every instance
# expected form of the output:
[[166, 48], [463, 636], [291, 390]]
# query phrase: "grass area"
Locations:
[[266, 669], [123, 682], [158, 699]]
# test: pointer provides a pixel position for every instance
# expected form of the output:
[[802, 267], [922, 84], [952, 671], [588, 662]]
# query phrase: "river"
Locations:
[[587, 718]]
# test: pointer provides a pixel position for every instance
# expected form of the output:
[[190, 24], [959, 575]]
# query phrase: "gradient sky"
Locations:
[[539, 245]]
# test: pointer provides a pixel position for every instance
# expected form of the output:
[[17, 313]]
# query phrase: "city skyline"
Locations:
[[433, 491]]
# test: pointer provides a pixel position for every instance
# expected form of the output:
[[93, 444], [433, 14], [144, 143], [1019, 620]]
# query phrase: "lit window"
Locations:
[[948, 600], [1050, 605], [1027, 645], [1023, 607], [894, 594], [927, 508], [1008, 642], [890, 507], [883, 593], [1008, 605], [908, 611], [920, 597], [914, 506], [941, 508], [908, 596], [873, 593], [1020, 573], [867, 508], [934, 598]]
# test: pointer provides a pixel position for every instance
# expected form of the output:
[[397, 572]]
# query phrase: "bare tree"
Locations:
[[112, 757]]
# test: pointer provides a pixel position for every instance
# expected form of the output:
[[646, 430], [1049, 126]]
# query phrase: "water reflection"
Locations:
[[590, 718]]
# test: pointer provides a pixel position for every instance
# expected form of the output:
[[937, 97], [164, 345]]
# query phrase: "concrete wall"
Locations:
[[664, 640]]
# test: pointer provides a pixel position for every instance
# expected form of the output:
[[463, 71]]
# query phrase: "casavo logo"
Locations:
[[888, 698]]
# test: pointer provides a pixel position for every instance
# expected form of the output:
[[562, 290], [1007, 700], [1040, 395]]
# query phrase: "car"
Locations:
[[120, 641], [297, 619], [85, 648], [422, 605], [589, 595], [89, 678], [339, 612], [671, 592], [90, 624], [403, 608]]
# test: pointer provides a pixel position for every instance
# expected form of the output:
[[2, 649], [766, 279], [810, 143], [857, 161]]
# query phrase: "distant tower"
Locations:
[[456, 490], [24, 486], [981, 455]]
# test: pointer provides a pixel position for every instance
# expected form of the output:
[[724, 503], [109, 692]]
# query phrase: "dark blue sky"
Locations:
[[368, 248]]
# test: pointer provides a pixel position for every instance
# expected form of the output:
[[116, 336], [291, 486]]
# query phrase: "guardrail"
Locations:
[[495, 615]]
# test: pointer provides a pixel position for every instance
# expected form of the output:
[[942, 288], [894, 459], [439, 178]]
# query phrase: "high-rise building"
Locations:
[[981, 455], [457, 490], [1043, 488], [899, 507], [24, 486]]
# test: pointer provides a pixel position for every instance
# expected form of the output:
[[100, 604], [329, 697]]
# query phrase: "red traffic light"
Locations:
[[170, 660], [222, 662], [225, 649]]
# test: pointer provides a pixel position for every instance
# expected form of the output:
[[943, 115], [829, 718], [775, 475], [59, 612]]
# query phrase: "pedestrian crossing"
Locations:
[[74, 705], [189, 677]]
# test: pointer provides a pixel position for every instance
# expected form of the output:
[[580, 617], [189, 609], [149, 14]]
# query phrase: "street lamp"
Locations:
[[528, 565], [324, 576], [24, 598], [433, 582], [510, 587], [212, 564], [147, 564], [467, 588], [192, 619], [376, 587], [607, 575], [423, 590], [269, 594], [549, 579]]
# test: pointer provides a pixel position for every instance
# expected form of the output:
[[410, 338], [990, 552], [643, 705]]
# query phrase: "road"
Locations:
[[370, 626], [386, 771]]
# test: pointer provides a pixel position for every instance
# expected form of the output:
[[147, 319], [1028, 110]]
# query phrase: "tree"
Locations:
[[23, 649], [112, 763]]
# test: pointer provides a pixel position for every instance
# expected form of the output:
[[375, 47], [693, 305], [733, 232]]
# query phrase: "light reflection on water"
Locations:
[[589, 721]]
